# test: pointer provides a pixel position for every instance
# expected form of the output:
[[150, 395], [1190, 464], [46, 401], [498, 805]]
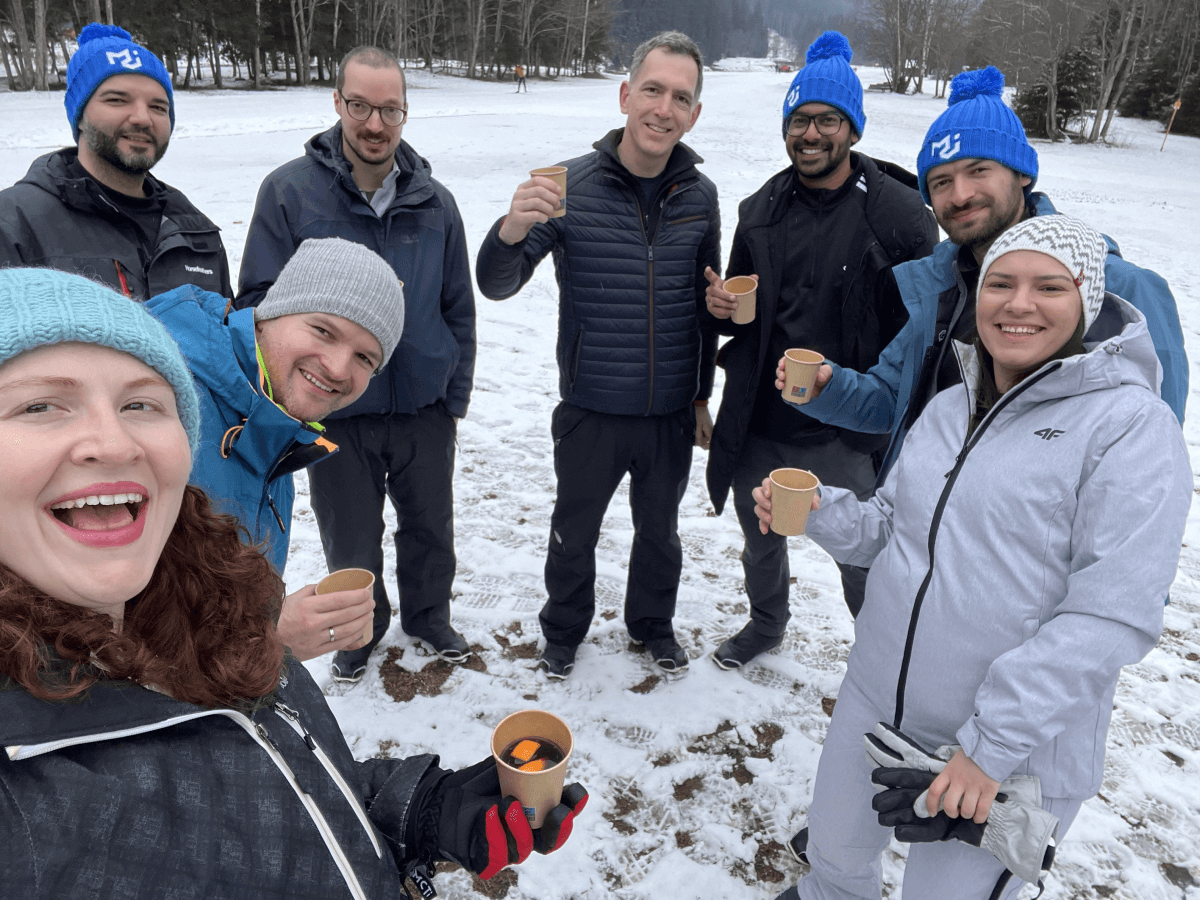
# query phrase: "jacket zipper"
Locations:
[[649, 292], [259, 734], [951, 477], [292, 717]]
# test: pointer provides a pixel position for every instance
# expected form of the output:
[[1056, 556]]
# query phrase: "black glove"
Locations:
[[1018, 832], [484, 832]]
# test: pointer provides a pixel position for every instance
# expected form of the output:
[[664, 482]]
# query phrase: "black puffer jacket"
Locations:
[[634, 336], [131, 794], [52, 220], [895, 227]]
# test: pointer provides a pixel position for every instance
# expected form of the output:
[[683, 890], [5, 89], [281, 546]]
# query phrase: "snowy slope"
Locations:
[[697, 780]]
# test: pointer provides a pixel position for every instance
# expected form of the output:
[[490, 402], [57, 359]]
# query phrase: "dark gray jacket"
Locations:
[[633, 332], [131, 794], [420, 235], [50, 219]]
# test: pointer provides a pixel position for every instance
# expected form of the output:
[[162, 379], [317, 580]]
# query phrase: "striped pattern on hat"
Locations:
[[1080, 249]]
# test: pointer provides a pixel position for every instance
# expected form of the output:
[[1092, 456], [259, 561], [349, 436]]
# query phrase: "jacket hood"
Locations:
[[1119, 351], [681, 160], [326, 148], [51, 173]]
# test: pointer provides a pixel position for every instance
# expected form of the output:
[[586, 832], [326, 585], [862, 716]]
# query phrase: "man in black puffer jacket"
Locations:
[[822, 237], [635, 353]]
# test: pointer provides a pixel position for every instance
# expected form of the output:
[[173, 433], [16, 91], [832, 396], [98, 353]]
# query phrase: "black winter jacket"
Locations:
[[420, 235], [896, 227], [131, 794], [634, 336], [50, 219]]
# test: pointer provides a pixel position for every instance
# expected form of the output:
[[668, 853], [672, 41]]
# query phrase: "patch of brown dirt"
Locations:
[[687, 789], [663, 759], [764, 859], [402, 685], [645, 687], [827, 704], [683, 840]]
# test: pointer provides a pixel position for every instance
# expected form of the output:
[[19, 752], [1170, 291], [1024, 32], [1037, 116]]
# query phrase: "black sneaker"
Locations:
[[557, 661], [798, 845], [448, 644], [743, 647], [349, 666], [667, 653]]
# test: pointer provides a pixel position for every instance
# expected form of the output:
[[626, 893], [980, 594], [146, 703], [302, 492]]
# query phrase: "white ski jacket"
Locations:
[[1013, 574]]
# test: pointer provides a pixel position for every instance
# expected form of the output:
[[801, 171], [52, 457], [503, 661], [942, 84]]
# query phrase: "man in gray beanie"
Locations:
[[266, 378], [361, 181]]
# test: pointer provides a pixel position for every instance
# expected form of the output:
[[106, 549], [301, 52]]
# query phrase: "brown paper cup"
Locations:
[[801, 367], [538, 792], [349, 580], [791, 499], [557, 174], [746, 289]]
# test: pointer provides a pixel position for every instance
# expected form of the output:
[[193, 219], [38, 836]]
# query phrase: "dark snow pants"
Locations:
[[592, 453], [765, 556], [408, 459]]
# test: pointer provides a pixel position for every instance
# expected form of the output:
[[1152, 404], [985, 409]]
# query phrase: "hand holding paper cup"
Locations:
[[745, 289], [802, 367], [557, 174], [349, 580], [792, 493], [531, 749]]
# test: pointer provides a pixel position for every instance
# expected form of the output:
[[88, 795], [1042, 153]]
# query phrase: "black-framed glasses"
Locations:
[[827, 123], [361, 111]]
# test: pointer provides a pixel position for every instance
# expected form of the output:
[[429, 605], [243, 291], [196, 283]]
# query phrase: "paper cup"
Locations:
[[791, 499], [349, 580], [557, 174], [537, 792], [801, 367], [746, 290]]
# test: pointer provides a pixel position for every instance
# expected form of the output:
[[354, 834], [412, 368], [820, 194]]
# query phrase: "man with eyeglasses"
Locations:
[[360, 181], [822, 237]]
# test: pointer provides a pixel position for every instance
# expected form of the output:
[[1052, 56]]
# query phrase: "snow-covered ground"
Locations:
[[696, 781]]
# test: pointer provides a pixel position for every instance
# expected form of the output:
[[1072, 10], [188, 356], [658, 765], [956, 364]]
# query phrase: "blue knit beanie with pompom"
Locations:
[[105, 51], [827, 78], [977, 124]]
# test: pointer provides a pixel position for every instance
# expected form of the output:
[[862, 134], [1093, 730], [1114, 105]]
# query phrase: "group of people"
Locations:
[[996, 432]]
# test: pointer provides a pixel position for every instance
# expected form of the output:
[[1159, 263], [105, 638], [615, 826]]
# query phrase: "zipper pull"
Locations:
[[650, 252], [418, 873], [262, 733], [288, 713]]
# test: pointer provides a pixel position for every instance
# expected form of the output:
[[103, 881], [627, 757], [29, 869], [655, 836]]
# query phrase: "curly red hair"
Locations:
[[203, 630]]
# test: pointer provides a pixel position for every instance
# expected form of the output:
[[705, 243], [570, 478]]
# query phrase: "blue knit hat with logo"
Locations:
[[44, 307], [827, 78], [105, 51], [977, 124]]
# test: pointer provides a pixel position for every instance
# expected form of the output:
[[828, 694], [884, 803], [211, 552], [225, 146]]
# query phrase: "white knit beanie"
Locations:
[[341, 278], [1080, 249]]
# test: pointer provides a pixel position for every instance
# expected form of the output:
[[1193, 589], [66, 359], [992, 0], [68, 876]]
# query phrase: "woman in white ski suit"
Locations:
[[1014, 572]]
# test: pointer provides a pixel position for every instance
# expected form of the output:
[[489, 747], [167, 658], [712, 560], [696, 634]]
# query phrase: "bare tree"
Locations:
[[303, 15]]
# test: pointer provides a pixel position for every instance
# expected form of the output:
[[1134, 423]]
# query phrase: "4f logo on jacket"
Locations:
[[1048, 434], [127, 60], [945, 149]]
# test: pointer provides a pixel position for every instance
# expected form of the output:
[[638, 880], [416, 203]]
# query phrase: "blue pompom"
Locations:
[[96, 31], [828, 46], [980, 83]]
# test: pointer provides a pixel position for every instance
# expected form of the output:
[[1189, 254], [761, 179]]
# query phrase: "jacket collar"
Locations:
[[326, 148], [682, 162]]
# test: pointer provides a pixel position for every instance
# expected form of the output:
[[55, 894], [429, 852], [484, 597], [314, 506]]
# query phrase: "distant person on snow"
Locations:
[[635, 350], [822, 237], [1019, 550], [266, 377], [519, 77], [95, 209], [362, 182]]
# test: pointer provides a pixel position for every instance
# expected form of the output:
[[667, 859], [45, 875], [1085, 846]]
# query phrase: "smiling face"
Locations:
[[317, 362], [660, 108], [1028, 308], [95, 464], [126, 125], [821, 160], [370, 142], [976, 200]]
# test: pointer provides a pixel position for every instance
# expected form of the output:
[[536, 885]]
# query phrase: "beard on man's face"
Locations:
[[106, 146], [1002, 212]]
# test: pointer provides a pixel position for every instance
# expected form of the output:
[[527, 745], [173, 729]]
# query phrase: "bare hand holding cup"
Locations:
[[824, 374], [308, 620], [762, 505], [535, 201], [721, 303]]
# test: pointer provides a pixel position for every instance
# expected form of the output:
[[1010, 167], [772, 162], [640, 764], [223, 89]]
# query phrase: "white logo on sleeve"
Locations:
[[945, 149], [125, 58]]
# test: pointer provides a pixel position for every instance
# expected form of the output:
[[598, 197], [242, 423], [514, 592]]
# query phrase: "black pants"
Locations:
[[410, 460], [764, 556], [592, 453]]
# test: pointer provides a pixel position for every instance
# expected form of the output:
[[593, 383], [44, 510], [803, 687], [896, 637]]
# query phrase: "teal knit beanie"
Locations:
[[44, 307]]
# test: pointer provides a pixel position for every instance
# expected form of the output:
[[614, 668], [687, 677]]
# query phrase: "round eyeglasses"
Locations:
[[361, 111], [827, 123]]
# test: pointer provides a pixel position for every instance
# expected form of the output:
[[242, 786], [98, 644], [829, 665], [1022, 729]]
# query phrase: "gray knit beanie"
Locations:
[[341, 278]]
